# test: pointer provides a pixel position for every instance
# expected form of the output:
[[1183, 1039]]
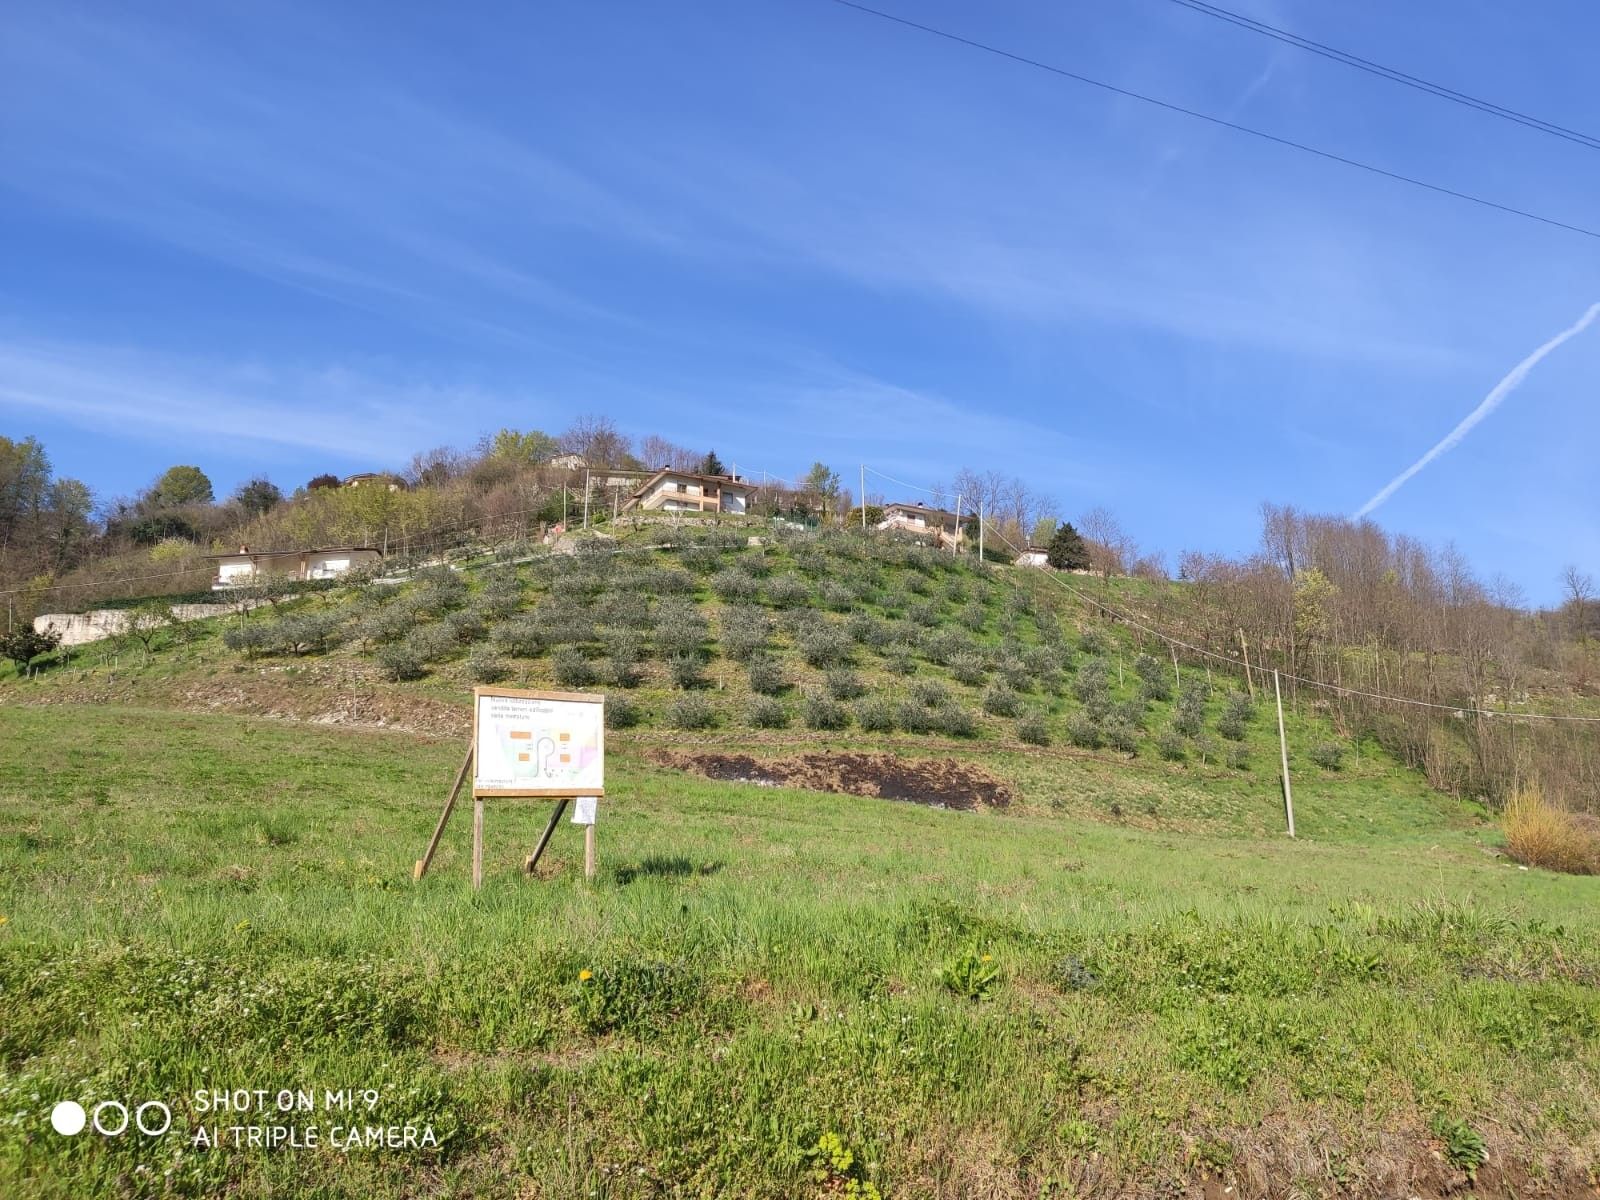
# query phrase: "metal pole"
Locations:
[[1283, 750], [586, 497], [955, 542], [980, 532], [863, 497]]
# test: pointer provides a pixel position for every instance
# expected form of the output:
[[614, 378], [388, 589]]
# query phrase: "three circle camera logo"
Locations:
[[111, 1118]]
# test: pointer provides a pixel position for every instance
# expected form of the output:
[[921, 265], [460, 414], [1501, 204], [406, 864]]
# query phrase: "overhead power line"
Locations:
[[1393, 74], [1201, 651], [1290, 143]]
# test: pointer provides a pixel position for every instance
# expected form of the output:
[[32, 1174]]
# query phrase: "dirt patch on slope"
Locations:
[[936, 782]]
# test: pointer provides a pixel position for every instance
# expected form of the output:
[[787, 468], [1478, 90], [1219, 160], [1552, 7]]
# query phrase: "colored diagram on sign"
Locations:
[[549, 756], [539, 745]]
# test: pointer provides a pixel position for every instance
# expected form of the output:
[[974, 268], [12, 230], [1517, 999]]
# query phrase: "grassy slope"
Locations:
[[209, 900], [1371, 792]]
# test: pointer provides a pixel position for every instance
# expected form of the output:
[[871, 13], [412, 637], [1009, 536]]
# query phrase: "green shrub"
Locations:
[[1237, 757], [625, 610], [913, 717], [440, 589], [787, 591], [867, 630], [572, 667], [826, 646], [670, 581], [466, 626], [744, 631], [838, 597], [974, 616], [400, 662], [930, 693], [1084, 731], [622, 672], [1001, 701], [875, 715], [685, 670], [501, 596], [691, 711], [1120, 735], [621, 711], [1033, 730], [680, 629], [1094, 641], [1171, 746], [947, 645], [1130, 712], [844, 684], [767, 713], [968, 668], [1327, 755], [520, 636], [824, 712], [900, 662], [1157, 683], [251, 637], [735, 585], [766, 675], [432, 643], [1189, 715], [1236, 716], [955, 721], [486, 666]]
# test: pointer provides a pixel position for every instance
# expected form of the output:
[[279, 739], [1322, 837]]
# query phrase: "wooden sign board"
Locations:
[[537, 743]]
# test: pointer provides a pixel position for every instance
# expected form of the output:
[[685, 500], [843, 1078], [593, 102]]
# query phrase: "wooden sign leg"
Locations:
[[477, 842], [421, 868], [544, 838]]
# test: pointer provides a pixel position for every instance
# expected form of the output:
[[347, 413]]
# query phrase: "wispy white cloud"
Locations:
[[162, 399], [1492, 401]]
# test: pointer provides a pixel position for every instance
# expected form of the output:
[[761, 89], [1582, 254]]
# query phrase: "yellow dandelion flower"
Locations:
[[988, 957], [3, 918], [585, 975]]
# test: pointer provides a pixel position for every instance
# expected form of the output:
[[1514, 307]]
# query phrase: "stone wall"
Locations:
[[76, 629]]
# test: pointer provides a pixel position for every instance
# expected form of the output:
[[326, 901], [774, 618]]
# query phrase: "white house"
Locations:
[[920, 519], [684, 491], [1033, 556], [330, 563]]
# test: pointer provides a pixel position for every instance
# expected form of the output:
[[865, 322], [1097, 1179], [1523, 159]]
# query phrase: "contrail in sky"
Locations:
[[1490, 402]]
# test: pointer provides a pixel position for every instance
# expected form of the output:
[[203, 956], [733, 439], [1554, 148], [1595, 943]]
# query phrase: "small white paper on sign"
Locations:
[[583, 810]]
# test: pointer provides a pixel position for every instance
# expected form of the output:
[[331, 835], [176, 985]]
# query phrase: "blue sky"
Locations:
[[296, 239]]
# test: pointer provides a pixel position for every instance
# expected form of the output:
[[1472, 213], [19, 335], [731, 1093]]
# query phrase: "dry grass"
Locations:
[[1542, 835]]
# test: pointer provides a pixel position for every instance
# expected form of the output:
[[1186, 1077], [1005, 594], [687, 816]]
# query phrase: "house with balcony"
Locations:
[[684, 491]]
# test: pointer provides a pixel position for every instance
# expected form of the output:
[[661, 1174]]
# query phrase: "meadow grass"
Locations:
[[767, 992]]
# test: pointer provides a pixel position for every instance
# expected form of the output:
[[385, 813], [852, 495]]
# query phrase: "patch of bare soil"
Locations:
[[936, 782]]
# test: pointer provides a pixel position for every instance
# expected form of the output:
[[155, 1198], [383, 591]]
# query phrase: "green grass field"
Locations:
[[776, 993]]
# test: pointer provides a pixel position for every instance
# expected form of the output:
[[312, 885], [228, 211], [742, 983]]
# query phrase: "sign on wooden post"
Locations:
[[543, 745]]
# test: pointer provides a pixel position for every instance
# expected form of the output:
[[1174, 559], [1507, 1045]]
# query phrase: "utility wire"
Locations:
[[1180, 644], [1303, 147], [1393, 74]]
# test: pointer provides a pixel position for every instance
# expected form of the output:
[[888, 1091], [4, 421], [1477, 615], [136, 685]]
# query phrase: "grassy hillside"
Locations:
[[972, 1004], [1114, 974], [804, 641]]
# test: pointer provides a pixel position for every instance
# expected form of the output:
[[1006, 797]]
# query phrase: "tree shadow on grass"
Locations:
[[665, 867]]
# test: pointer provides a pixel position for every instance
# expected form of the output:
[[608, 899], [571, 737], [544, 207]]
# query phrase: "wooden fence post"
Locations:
[[1283, 750]]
